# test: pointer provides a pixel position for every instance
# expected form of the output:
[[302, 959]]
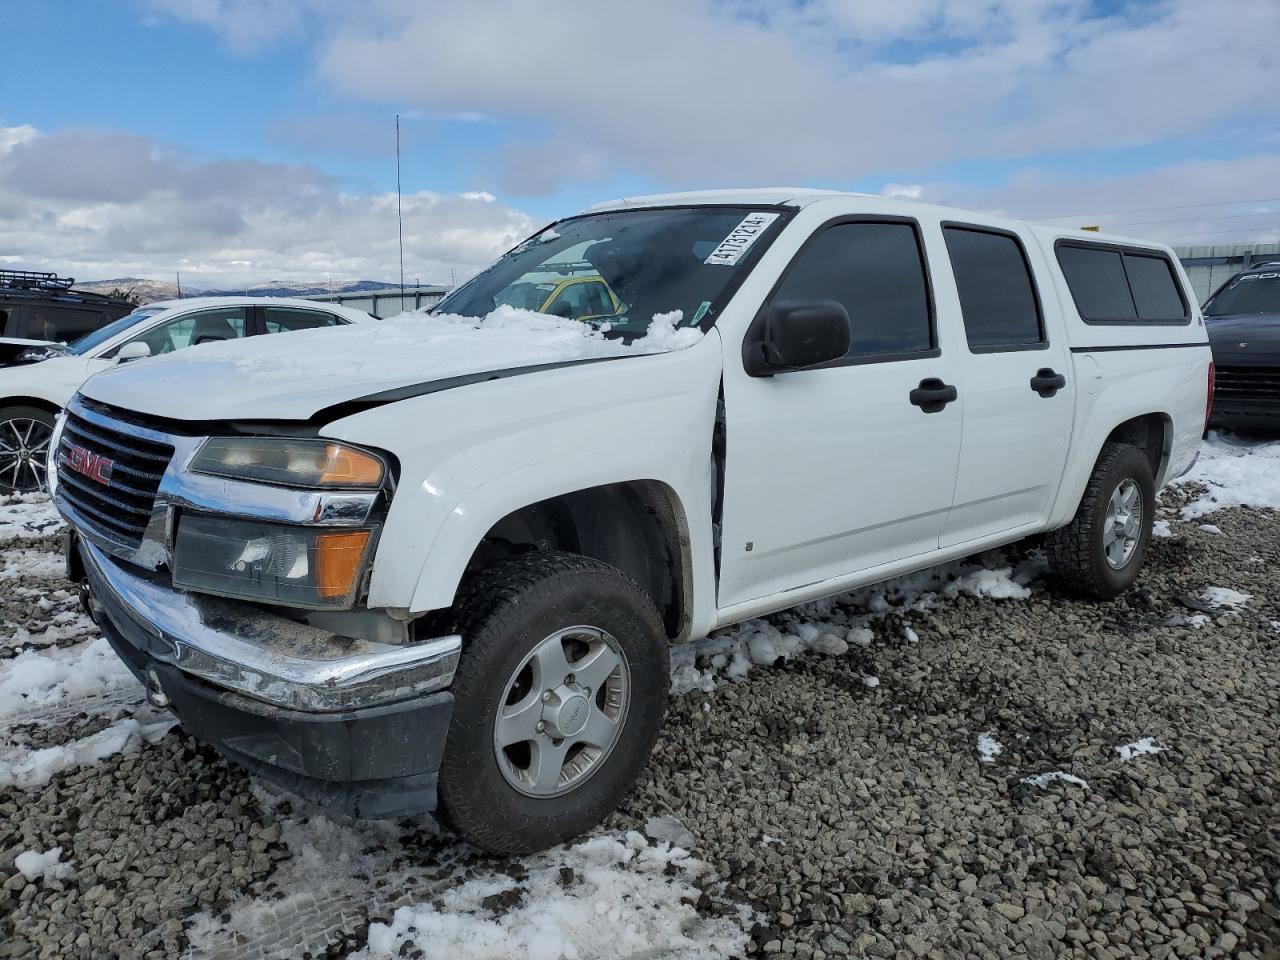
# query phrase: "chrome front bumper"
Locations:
[[242, 648]]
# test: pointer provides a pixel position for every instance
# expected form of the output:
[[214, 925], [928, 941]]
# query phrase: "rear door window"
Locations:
[[876, 271], [65, 324], [284, 319], [997, 295]]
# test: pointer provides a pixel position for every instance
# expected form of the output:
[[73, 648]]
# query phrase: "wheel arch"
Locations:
[[638, 526], [1152, 433], [27, 401]]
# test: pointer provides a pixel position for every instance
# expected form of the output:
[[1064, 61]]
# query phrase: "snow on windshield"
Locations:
[[435, 346]]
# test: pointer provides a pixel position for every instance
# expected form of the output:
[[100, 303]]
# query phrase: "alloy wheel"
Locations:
[[24, 449], [562, 711], [1123, 525]]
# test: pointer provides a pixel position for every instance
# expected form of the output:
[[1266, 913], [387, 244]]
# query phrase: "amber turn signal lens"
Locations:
[[338, 557], [345, 467]]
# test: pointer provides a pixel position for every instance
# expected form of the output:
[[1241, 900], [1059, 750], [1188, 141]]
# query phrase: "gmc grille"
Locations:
[[1247, 383], [120, 507]]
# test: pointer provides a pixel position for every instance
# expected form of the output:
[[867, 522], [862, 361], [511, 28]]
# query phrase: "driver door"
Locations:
[[842, 467]]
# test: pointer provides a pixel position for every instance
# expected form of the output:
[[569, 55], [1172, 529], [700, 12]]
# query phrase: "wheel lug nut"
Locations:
[[541, 726], [546, 697]]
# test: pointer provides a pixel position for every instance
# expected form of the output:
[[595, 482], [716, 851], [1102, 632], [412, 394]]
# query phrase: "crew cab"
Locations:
[[38, 377], [439, 564]]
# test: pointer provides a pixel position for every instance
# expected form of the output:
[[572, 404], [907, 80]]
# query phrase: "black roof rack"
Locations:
[[33, 280]]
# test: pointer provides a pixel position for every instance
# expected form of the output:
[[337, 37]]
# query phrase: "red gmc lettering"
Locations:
[[89, 464]]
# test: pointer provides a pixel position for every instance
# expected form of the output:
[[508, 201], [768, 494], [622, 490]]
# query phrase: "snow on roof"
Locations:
[[224, 300]]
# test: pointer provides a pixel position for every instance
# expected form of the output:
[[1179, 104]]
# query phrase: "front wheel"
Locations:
[[558, 698], [1100, 552], [25, 433]]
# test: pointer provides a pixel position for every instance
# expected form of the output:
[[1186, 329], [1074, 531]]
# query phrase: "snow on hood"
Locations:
[[291, 376]]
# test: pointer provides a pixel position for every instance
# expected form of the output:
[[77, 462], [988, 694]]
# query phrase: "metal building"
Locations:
[[389, 302]]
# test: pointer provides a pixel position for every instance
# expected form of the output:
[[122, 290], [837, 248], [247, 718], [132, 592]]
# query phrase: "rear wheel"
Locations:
[[1100, 552], [25, 433], [558, 698]]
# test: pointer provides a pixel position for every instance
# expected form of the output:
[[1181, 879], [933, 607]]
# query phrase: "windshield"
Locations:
[[1251, 293], [617, 270], [100, 336]]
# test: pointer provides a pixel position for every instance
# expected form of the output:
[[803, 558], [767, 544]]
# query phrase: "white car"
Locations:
[[40, 377], [440, 562]]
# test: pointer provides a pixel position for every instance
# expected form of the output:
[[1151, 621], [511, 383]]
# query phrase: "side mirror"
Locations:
[[133, 350], [802, 334]]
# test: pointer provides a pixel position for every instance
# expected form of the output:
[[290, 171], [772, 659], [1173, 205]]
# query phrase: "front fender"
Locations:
[[471, 455]]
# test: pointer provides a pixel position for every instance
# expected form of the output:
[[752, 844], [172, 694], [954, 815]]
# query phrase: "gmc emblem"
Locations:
[[88, 464]]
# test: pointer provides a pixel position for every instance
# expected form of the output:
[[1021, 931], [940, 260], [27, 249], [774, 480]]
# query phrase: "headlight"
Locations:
[[295, 463], [269, 562], [51, 461]]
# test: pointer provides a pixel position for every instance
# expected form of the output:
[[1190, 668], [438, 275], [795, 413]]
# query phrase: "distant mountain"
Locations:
[[149, 291], [146, 291], [287, 288]]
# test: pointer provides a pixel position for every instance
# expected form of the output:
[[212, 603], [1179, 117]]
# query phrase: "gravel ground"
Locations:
[[949, 785]]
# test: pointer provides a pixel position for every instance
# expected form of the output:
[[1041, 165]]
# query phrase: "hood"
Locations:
[[1240, 338], [295, 376], [13, 348]]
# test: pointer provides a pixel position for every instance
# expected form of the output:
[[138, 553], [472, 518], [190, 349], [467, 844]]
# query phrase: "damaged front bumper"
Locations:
[[349, 723]]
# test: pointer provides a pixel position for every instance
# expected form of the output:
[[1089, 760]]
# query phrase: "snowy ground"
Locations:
[[278, 878]]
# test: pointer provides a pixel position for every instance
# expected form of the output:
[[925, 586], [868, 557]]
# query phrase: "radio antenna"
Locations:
[[399, 213]]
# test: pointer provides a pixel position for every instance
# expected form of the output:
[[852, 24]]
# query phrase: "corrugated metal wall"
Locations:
[[1208, 267], [387, 303]]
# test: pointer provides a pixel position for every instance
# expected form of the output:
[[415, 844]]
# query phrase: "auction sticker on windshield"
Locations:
[[741, 238]]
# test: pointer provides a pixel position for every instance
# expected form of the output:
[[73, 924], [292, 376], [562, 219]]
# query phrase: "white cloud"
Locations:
[[748, 91], [99, 205], [247, 25], [10, 137], [1187, 203], [904, 191]]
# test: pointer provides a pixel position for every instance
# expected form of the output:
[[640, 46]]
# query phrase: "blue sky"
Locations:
[[259, 118], [120, 66]]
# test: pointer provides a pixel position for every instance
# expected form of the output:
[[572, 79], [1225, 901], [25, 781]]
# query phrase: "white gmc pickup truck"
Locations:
[[436, 563]]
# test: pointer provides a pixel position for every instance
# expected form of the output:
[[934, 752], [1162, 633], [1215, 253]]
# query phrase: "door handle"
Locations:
[[1047, 382], [932, 395]]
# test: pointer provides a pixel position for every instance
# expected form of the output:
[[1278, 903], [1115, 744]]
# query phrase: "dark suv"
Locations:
[[1243, 317], [43, 306]]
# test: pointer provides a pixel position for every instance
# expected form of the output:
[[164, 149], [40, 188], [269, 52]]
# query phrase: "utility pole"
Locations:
[[178, 276], [399, 213]]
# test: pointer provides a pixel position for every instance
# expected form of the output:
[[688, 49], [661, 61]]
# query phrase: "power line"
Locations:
[[1233, 216], [1185, 206], [1214, 233]]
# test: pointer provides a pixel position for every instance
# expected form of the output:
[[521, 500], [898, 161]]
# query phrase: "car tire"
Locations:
[[526, 766], [1100, 553], [29, 429]]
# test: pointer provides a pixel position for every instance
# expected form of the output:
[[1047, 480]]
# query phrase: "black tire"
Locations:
[[15, 424], [1076, 552], [504, 614]]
